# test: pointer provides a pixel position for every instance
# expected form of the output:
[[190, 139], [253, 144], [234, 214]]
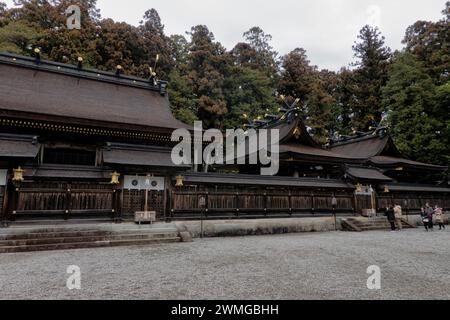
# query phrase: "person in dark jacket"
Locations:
[[424, 218], [429, 212], [390, 214]]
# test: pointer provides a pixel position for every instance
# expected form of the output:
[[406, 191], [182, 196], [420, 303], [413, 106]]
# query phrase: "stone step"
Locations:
[[61, 234], [94, 238], [379, 223], [84, 245]]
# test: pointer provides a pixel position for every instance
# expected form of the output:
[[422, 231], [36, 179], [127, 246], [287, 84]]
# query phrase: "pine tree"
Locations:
[[370, 76], [418, 111], [208, 65]]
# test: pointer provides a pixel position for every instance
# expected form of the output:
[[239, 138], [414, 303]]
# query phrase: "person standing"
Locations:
[[439, 217], [424, 218], [429, 211], [398, 217], [391, 217]]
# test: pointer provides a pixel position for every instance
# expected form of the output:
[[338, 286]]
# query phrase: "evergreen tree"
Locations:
[[156, 44], [430, 43], [315, 89], [344, 95], [256, 52], [208, 65], [370, 76], [418, 111]]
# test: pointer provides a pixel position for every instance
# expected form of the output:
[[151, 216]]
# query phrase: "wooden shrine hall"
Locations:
[[77, 143]]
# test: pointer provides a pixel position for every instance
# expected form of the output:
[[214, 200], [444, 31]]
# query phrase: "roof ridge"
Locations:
[[73, 70]]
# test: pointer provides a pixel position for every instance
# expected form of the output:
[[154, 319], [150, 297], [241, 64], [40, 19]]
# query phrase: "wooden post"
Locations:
[[5, 210], [290, 202], [68, 202], [207, 204], [237, 204], [265, 203]]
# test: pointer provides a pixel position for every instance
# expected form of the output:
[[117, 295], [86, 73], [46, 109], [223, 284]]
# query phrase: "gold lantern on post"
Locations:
[[359, 188], [115, 178], [179, 181], [18, 175]]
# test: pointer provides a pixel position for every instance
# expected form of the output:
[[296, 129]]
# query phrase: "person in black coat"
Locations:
[[390, 214]]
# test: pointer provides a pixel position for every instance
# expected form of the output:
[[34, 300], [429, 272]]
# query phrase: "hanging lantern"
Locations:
[[179, 181], [18, 175], [115, 178], [386, 189]]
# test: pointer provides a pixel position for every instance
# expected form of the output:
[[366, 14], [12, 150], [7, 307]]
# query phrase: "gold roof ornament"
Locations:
[[297, 133], [386, 189], [18, 175]]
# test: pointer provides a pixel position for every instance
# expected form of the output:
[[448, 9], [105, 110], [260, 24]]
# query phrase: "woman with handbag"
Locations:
[[439, 217]]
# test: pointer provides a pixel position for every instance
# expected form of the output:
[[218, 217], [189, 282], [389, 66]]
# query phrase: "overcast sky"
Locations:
[[325, 28]]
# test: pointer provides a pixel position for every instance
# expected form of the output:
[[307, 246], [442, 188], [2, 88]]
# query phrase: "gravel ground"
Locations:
[[414, 265]]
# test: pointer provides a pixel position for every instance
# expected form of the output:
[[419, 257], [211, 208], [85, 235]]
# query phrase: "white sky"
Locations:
[[325, 28]]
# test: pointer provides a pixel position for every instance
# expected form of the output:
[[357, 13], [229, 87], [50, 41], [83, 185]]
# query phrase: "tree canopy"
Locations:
[[226, 88]]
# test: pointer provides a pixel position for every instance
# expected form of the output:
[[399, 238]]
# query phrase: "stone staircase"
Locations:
[[83, 236], [360, 224]]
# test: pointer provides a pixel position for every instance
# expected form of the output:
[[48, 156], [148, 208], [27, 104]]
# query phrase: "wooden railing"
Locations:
[[66, 202], [185, 204], [411, 203]]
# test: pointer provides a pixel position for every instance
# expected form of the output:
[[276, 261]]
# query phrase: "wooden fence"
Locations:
[[187, 204]]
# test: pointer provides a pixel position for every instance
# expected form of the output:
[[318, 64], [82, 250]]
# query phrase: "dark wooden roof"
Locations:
[[287, 124], [366, 174], [362, 148], [138, 155], [65, 92], [378, 151], [296, 142], [15, 146], [256, 180], [393, 161], [314, 152]]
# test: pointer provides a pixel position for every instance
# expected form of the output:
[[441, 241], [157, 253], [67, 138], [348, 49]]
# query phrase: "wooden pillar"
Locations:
[[68, 202], [237, 204], [265, 202], [14, 202], [206, 204], [290, 202], [4, 214]]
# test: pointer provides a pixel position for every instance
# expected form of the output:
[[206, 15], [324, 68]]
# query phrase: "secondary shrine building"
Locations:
[[86, 144]]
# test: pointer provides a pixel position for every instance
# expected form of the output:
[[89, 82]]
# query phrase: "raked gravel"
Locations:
[[414, 265]]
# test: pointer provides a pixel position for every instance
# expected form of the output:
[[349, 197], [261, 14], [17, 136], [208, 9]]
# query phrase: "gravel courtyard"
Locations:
[[414, 265]]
